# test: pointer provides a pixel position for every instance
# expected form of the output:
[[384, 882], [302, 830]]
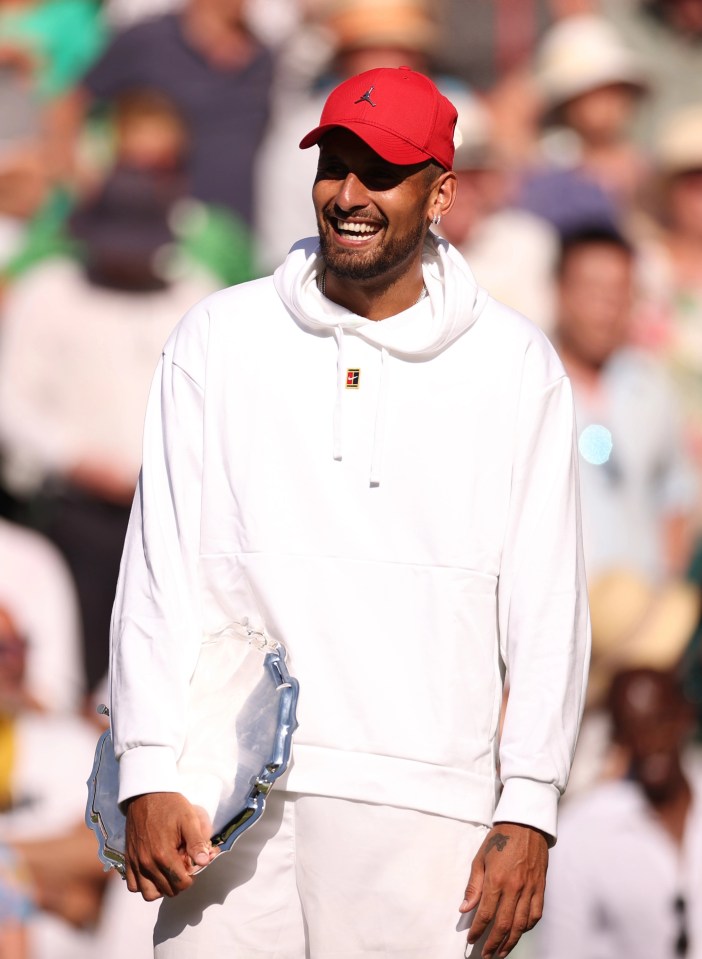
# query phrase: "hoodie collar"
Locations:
[[454, 296]]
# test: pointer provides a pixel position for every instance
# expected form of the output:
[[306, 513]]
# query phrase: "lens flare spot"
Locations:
[[595, 444]]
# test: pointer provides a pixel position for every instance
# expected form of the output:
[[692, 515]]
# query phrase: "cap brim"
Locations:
[[387, 145]]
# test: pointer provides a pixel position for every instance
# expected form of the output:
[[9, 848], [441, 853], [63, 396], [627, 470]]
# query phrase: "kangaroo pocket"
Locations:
[[393, 659]]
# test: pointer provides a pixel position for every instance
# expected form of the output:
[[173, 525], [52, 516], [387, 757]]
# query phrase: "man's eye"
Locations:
[[330, 172], [381, 179]]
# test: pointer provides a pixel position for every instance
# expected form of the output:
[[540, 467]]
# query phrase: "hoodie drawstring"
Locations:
[[340, 386], [379, 429], [379, 432]]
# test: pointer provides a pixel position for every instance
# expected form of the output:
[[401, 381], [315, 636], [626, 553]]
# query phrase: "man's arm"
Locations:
[[544, 644], [157, 624]]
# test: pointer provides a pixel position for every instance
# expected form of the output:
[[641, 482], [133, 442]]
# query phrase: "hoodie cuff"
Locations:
[[147, 769], [529, 803]]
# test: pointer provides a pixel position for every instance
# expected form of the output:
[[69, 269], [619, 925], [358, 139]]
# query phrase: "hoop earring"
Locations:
[[436, 219]]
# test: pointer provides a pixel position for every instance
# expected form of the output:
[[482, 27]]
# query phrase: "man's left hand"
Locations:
[[506, 886]]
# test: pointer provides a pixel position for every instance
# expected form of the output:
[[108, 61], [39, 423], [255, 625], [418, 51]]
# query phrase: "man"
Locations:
[[368, 459], [638, 488], [625, 879]]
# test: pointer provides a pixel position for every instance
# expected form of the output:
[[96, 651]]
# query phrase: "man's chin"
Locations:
[[352, 264]]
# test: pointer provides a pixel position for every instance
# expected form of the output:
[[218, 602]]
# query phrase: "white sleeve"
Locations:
[[542, 601], [156, 621]]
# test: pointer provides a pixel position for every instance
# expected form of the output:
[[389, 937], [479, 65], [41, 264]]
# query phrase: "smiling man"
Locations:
[[366, 458]]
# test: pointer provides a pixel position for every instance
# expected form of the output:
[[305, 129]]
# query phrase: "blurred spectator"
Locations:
[[589, 171], [625, 878], [592, 86], [84, 912], [666, 35], [25, 182], [42, 765], [37, 589], [46, 853], [45, 45], [205, 59], [359, 35], [271, 20], [80, 343], [636, 622], [42, 771], [638, 490], [123, 13], [670, 309], [510, 251], [150, 141], [50, 43], [16, 908]]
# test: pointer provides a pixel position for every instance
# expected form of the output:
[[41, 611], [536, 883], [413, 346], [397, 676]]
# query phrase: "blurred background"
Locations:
[[148, 156]]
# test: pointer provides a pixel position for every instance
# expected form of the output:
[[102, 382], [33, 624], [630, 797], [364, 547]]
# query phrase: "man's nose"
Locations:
[[352, 193]]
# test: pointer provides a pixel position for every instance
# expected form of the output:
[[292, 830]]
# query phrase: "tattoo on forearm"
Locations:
[[498, 841]]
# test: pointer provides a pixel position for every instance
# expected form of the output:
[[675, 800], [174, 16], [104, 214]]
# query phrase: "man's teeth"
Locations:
[[356, 227]]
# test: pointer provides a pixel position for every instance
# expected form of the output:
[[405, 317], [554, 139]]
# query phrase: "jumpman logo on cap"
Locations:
[[367, 97]]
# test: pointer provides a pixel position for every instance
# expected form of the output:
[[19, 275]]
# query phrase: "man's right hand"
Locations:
[[168, 841]]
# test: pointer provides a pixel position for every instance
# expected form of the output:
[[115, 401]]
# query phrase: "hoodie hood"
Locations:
[[455, 298], [420, 332]]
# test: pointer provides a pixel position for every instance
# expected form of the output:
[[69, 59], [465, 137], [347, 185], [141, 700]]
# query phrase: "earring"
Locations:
[[436, 219]]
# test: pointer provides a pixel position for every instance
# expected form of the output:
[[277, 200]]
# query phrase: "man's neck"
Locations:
[[376, 300]]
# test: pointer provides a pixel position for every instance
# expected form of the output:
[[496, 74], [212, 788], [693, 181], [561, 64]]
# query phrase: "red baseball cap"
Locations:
[[398, 112]]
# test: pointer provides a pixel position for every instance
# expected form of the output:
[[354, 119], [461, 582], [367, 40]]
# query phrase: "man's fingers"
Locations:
[[161, 827], [536, 909], [518, 925], [485, 913], [153, 885], [474, 889]]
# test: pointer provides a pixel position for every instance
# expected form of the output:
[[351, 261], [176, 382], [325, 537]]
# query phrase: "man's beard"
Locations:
[[362, 265]]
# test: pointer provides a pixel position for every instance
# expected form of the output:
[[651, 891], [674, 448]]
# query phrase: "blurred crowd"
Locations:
[[148, 156]]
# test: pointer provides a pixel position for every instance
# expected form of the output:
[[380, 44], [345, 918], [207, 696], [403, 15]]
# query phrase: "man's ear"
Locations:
[[443, 193]]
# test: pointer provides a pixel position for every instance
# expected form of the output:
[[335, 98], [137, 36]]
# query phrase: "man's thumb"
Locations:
[[474, 888], [197, 842]]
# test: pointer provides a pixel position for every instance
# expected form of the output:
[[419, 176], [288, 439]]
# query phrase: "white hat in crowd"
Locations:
[[679, 144], [583, 53]]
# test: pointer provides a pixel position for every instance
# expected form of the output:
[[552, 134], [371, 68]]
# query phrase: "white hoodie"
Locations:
[[408, 540]]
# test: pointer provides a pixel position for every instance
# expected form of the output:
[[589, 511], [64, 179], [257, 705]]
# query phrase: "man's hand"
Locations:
[[168, 840], [506, 885]]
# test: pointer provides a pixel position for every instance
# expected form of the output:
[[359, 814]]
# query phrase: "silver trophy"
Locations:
[[241, 719]]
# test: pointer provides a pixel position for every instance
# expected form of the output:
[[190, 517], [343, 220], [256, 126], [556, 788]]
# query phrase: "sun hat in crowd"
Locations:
[[679, 145], [638, 624], [397, 112], [406, 24], [583, 53]]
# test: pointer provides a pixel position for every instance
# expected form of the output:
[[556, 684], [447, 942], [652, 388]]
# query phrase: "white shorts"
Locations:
[[325, 878]]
